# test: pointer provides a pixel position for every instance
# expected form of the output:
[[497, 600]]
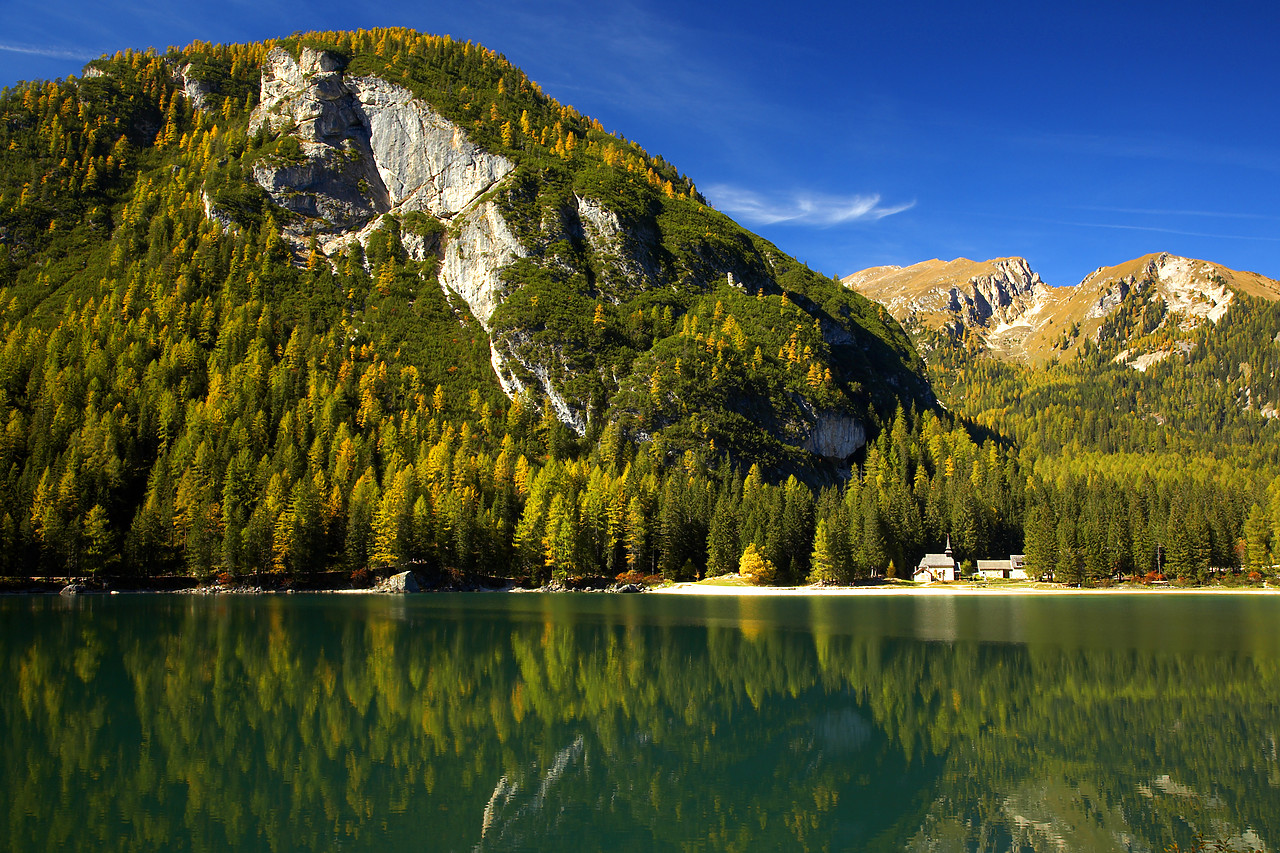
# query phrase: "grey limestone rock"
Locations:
[[1003, 295], [481, 247], [402, 583], [196, 90], [368, 145], [836, 436]]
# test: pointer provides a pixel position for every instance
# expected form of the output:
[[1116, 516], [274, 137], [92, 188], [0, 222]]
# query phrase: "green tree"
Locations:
[[100, 552], [1257, 539], [832, 558]]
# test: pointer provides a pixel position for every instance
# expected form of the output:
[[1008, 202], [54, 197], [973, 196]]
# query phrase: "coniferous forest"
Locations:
[[184, 393]]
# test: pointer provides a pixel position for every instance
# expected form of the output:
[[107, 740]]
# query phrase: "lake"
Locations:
[[481, 721]]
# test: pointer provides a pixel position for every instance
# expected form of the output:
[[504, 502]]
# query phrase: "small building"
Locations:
[[1014, 568], [937, 567]]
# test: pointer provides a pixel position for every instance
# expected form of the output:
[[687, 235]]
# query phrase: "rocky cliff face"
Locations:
[[836, 437], [330, 174], [196, 90], [475, 256], [1001, 295], [368, 147]]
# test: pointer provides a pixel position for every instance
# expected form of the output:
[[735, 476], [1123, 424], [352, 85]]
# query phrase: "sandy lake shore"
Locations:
[[942, 589]]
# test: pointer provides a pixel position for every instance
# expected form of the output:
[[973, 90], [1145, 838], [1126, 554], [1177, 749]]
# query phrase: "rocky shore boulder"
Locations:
[[399, 584]]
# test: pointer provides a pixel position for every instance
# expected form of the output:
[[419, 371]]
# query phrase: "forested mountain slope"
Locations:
[[351, 298], [1146, 392]]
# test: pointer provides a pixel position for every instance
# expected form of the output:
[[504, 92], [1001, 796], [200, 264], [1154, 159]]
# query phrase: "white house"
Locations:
[[1013, 568]]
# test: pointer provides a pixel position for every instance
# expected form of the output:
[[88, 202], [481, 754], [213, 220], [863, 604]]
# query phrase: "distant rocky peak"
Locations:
[[959, 293], [1196, 290]]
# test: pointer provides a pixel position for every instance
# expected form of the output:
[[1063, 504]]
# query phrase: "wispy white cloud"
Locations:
[[52, 52], [1268, 238], [801, 208], [1209, 214]]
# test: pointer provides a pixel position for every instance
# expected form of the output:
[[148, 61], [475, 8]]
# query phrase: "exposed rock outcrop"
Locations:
[[973, 294], [475, 255], [625, 255], [425, 161], [367, 147], [836, 437], [1003, 294], [518, 374], [330, 173], [219, 216], [196, 90]]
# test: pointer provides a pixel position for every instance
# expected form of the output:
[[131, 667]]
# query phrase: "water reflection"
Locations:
[[936, 619], [632, 722]]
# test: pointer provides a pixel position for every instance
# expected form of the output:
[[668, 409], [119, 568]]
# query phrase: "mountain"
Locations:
[[1143, 366], [559, 239], [373, 299], [988, 298], [1009, 309]]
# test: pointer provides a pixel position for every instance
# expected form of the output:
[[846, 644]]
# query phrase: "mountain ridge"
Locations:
[[1020, 317]]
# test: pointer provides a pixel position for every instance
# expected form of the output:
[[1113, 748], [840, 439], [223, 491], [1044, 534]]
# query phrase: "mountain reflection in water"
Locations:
[[499, 722]]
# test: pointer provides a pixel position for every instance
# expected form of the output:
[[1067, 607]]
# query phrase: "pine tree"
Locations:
[[723, 548], [1257, 539], [637, 537], [99, 551], [832, 560], [1041, 541]]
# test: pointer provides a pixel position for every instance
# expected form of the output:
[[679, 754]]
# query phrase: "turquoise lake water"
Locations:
[[640, 722]]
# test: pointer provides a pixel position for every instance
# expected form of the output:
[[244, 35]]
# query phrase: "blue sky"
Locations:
[[857, 134]]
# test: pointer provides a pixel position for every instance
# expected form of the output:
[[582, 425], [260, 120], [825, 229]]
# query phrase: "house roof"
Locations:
[[990, 565], [936, 561]]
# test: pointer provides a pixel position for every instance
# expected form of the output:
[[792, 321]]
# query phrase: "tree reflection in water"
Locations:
[[605, 722]]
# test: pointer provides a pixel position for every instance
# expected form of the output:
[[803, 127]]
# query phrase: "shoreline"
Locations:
[[945, 589], [724, 587]]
